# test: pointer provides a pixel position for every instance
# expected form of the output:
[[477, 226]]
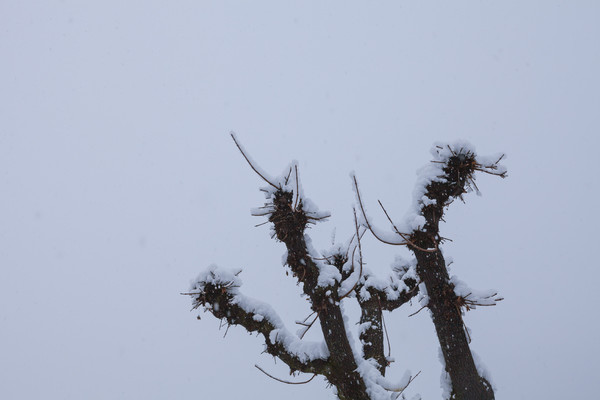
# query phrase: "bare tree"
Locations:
[[358, 372]]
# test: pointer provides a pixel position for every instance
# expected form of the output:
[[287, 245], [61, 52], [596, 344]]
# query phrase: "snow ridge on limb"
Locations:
[[470, 299], [452, 168], [289, 212], [377, 385], [394, 290], [218, 291], [356, 369], [326, 281], [447, 177]]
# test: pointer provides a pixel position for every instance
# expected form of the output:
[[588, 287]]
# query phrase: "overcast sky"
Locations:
[[119, 182]]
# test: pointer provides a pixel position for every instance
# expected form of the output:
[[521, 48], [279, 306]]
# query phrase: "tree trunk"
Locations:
[[447, 318]]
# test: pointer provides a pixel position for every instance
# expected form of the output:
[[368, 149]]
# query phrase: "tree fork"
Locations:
[[322, 278]]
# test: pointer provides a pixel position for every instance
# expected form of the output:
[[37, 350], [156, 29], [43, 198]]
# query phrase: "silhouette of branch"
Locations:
[[284, 381], [255, 169]]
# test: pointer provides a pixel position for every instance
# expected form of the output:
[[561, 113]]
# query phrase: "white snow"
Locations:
[[483, 371], [445, 381], [431, 172], [378, 386], [304, 350], [474, 297]]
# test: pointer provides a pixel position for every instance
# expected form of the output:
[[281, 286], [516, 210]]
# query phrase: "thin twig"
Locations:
[[297, 187], [281, 380], [352, 240], [360, 260], [452, 151], [405, 236], [466, 331], [364, 214], [264, 214], [500, 174], [318, 218], [309, 326], [398, 392], [324, 258], [415, 313], [250, 163], [387, 336], [422, 249], [350, 244], [390, 219], [287, 178], [306, 319]]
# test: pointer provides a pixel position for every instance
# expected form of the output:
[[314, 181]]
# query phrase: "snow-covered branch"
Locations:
[[331, 279], [470, 299], [449, 176], [217, 291]]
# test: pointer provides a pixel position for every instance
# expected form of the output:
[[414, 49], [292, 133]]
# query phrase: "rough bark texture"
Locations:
[[289, 224], [289, 220], [218, 300], [447, 318], [372, 335], [431, 268]]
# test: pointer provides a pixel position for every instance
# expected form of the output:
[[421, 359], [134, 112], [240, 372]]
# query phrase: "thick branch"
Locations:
[[373, 301], [371, 332], [456, 180], [289, 224], [221, 299]]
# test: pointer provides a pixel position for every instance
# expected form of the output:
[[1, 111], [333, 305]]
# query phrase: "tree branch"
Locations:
[[320, 283], [217, 291], [284, 381], [255, 168], [456, 168]]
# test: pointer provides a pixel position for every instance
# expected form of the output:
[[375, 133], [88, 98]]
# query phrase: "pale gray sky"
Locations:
[[120, 183]]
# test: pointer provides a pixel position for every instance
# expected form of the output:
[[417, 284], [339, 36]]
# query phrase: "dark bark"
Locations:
[[447, 318], [285, 211], [218, 300], [431, 268], [289, 224], [372, 337]]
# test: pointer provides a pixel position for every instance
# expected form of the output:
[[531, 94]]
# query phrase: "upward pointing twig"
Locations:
[[297, 187], [364, 214], [360, 259], [406, 241], [250, 162], [385, 330]]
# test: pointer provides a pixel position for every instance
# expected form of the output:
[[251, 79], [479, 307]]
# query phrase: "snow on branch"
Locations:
[[398, 237], [217, 290], [448, 176], [470, 298], [398, 288], [332, 278]]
